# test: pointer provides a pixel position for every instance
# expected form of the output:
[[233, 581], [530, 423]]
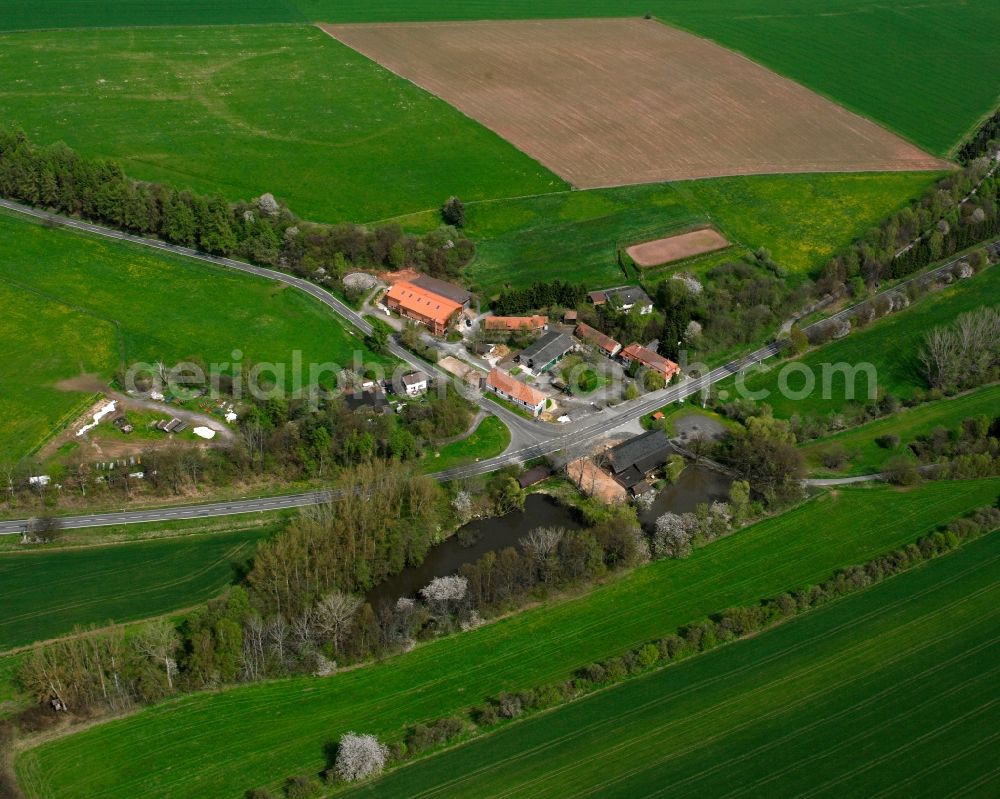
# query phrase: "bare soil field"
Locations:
[[620, 101], [677, 248]]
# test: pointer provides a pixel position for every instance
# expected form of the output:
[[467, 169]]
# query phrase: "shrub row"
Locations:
[[696, 637]]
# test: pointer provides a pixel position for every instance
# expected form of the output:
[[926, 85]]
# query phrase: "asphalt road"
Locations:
[[529, 439]]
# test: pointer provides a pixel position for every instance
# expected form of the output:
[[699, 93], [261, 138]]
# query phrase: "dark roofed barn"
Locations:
[[634, 459], [543, 354], [444, 289]]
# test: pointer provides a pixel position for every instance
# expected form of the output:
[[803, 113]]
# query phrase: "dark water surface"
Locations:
[[695, 485], [473, 541]]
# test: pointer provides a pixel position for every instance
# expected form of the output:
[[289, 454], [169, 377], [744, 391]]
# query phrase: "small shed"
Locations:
[[534, 476]]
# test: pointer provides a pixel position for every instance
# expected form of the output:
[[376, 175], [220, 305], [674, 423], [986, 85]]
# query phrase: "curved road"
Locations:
[[529, 439]]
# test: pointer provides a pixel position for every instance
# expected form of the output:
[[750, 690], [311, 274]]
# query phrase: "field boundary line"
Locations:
[[773, 683], [436, 98], [953, 152], [902, 602]]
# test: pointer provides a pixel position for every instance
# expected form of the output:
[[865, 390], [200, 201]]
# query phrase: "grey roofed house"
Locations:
[[632, 460], [373, 400], [544, 352], [624, 296], [444, 289]]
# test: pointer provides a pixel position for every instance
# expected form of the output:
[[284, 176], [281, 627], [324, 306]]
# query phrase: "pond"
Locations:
[[471, 542], [695, 485]]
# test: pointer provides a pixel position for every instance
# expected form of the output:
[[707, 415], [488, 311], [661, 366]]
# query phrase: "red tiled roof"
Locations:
[[596, 337], [516, 322], [423, 302], [512, 387], [650, 359]]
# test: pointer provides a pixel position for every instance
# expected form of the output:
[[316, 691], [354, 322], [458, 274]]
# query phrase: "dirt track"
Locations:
[[675, 248], [611, 102]]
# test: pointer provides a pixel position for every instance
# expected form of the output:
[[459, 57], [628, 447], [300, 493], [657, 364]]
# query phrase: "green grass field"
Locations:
[[889, 692], [242, 111], [18, 15], [488, 440], [908, 65], [80, 304], [897, 366], [45, 341], [922, 69], [867, 457], [11, 695], [219, 745], [802, 219], [45, 594]]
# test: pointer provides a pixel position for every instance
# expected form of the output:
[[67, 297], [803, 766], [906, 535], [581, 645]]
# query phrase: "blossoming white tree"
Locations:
[[442, 595], [360, 756]]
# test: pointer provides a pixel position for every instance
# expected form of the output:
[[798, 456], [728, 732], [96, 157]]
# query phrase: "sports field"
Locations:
[[247, 110], [891, 692], [45, 594], [867, 456], [801, 219], [216, 745], [895, 63], [677, 248], [897, 366], [688, 109], [91, 305]]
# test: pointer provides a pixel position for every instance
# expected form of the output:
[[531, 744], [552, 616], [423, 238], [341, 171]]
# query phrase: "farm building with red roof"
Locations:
[[433, 310], [634, 353], [506, 386]]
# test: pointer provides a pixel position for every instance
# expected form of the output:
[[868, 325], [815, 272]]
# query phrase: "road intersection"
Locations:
[[529, 438]]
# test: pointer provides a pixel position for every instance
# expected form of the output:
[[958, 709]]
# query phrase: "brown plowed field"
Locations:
[[676, 248], [607, 102]]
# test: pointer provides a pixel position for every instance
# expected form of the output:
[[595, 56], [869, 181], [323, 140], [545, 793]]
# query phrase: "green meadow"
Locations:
[[867, 456], [221, 744], [801, 219], [891, 345], [78, 304], [45, 594], [45, 341], [890, 692], [488, 440], [925, 70], [241, 111]]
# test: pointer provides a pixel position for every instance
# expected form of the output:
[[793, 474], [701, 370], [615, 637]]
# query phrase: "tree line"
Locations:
[[298, 610], [727, 626], [970, 451], [935, 226], [984, 142], [555, 294], [964, 354], [263, 231]]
